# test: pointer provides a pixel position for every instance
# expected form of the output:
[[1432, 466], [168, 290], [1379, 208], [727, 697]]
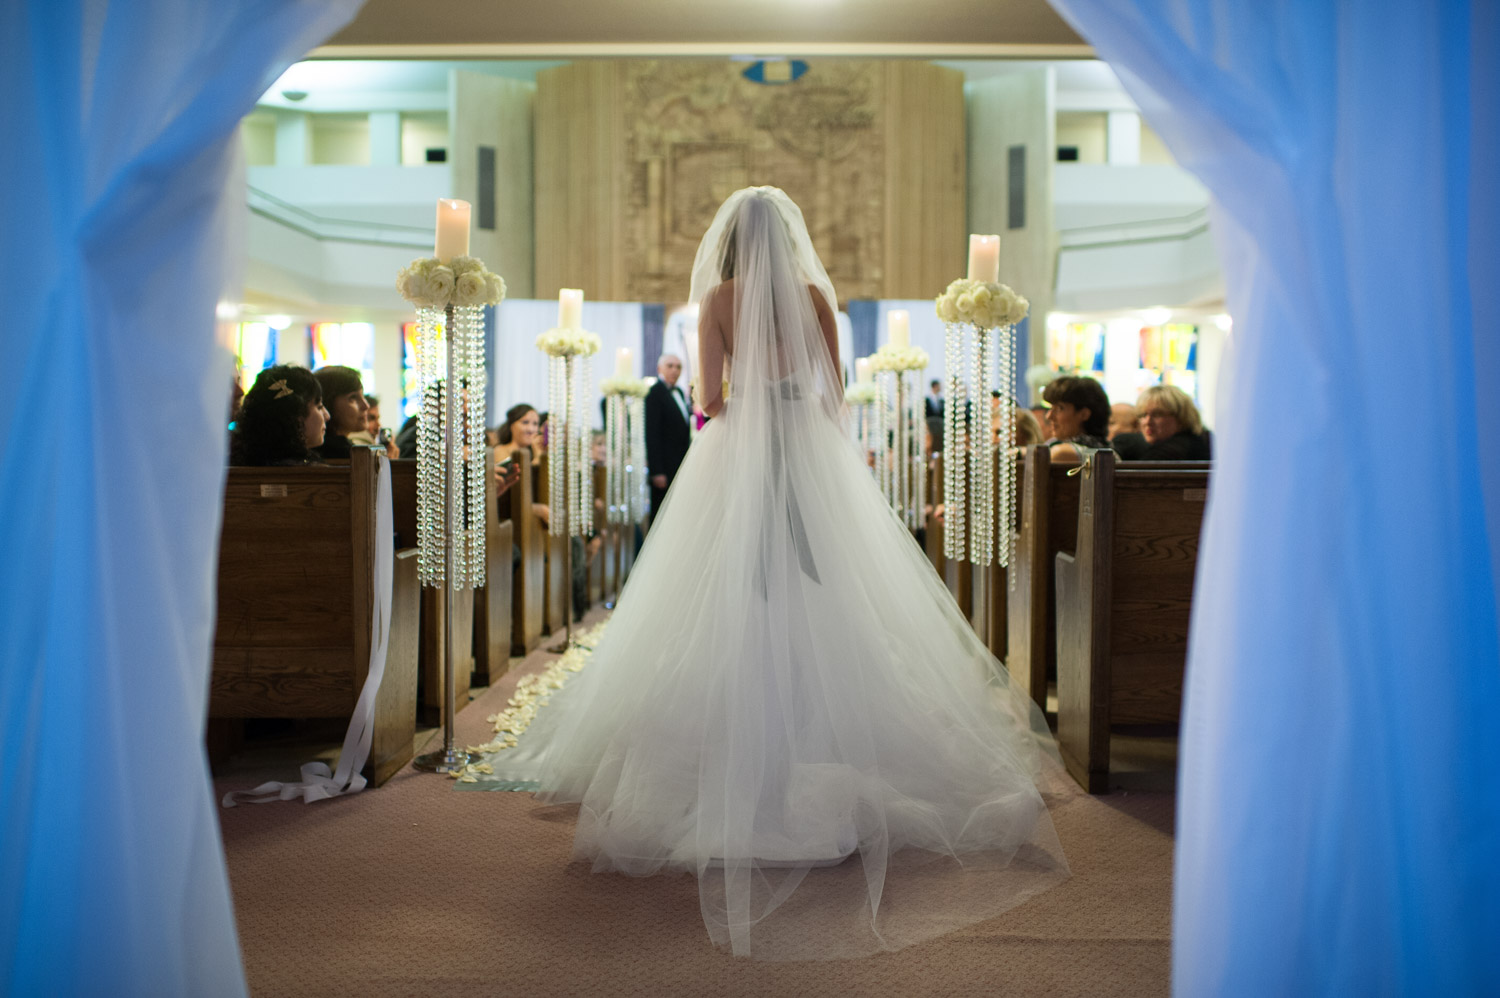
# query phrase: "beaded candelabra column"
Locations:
[[980, 355], [862, 398], [900, 464], [450, 290], [570, 481], [625, 461]]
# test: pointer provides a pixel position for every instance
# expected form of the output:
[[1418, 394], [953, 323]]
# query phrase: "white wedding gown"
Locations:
[[789, 704]]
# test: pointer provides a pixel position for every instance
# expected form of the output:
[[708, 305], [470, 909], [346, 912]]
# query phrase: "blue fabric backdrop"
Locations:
[[1339, 784], [118, 193]]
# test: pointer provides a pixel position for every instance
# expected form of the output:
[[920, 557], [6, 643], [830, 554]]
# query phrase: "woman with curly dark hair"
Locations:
[[344, 398], [281, 420], [1078, 419]]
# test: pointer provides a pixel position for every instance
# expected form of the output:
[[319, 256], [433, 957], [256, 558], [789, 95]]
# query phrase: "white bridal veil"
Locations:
[[787, 702]]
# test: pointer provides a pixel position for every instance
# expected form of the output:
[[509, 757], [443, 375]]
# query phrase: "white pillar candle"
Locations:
[[452, 229], [898, 327], [569, 308], [864, 371], [984, 258], [622, 362]]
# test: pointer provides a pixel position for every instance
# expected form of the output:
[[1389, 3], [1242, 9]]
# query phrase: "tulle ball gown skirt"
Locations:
[[788, 704]]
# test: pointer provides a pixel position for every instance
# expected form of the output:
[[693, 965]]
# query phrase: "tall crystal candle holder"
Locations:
[[625, 460], [450, 295], [900, 461], [862, 398], [570, 495], [980, 355]]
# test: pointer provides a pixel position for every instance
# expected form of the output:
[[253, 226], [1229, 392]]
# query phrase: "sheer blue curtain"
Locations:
[[119, 186], [1337, 820]]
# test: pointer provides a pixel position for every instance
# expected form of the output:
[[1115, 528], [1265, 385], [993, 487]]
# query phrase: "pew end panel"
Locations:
[[296, 606], [1124, 600], [1027, 632], [492, 601], [556, 587], [527, 577], [393, 743], [597, 587], [934, 529]]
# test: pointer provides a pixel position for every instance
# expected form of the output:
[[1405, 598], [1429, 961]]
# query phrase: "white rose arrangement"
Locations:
[[462, 281], [861, 393], [986, 305], [623, 386], [569, 343], [894, 358]]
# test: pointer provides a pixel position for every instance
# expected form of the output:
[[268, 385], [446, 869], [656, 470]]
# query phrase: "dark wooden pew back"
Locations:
[[1124, 598], [1047, 501], [295, 603], [493, 600], [529, 575]]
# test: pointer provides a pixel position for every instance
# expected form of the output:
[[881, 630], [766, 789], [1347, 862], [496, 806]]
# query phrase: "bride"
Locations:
[[785, 682]]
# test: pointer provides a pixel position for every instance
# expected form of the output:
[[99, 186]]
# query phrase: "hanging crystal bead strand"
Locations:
[[918, 503], [585, 502], [955, 446], [557, 399], [431, 460], [981, 486], [1006, 490], [479, 454]]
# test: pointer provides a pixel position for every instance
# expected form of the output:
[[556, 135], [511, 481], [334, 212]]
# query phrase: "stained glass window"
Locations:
[[348, 344], [254, 350]]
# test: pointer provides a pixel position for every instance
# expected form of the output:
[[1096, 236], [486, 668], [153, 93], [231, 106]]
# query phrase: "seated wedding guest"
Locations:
[[1171, 425], [1123, 435], [344, 398], [932, 404], [522, 428], [1028, 430], [282, 419], [543, 436], [373, 435], [1078, 418]]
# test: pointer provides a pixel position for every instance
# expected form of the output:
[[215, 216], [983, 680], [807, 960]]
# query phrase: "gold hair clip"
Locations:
[[282, 391]]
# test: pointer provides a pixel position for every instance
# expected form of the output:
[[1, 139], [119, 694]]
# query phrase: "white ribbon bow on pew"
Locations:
[[317, 782]]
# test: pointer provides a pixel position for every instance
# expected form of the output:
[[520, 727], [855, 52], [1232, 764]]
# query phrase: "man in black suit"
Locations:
[[667, 435], [932, 405]]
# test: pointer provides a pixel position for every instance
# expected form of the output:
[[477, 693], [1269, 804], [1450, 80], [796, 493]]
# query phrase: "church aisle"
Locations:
[[413, 889]]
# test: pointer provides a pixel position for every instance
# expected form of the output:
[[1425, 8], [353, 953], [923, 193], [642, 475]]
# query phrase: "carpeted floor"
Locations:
[[413, 889]]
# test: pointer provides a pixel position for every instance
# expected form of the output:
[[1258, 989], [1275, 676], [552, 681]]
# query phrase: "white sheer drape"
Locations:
[[119, 120], [1338, 808]]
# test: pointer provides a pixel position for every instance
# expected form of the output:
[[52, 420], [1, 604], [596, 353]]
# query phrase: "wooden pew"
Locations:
[[597, 588], [933, 530], [609, 559], [556, 588], [493, 601], [529, 575], [1047, 523], [295, 604], [1124, 596], [404, 496]]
